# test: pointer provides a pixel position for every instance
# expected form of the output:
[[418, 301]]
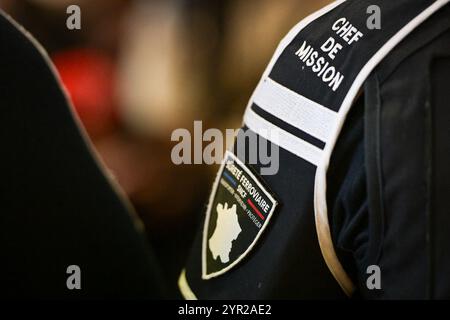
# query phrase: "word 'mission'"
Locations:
[[318, 63]]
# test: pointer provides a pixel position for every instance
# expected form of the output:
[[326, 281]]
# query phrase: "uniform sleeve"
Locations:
[[389, 180], [347, 196]]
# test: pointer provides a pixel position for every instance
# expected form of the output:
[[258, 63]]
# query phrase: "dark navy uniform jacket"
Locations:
[[363, 138]]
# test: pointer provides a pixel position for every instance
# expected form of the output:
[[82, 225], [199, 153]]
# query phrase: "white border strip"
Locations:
[[231, 157], [295, 109], [250, 115], [282, 138], [185, 288], [320, 200]]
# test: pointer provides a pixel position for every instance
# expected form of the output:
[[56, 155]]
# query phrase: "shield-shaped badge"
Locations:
[[239, 210]]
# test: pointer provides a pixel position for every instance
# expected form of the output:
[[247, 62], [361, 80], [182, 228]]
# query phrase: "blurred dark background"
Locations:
[[137, 70]]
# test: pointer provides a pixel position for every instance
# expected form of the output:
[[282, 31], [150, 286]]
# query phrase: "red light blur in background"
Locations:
[[89, 76]]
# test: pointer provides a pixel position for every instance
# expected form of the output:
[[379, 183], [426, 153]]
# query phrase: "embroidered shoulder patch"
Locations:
[[239, 209]]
